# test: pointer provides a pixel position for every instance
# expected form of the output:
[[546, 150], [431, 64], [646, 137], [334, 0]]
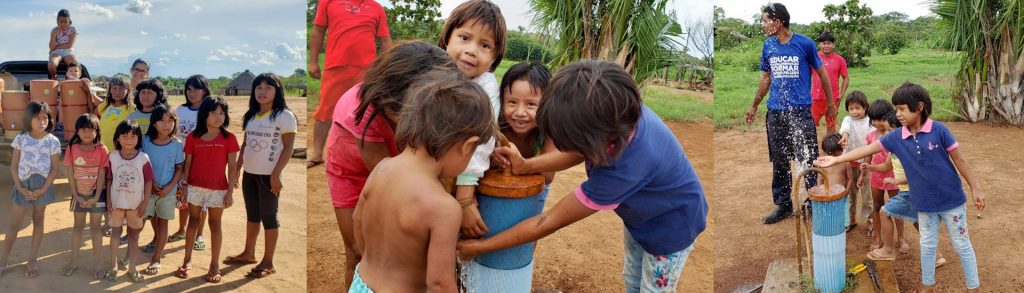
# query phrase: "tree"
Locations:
[[639, 35], [851, 25], [731, 32], [989, 36], [415, 19]]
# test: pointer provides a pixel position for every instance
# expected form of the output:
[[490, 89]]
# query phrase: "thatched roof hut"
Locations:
[[241, 85]]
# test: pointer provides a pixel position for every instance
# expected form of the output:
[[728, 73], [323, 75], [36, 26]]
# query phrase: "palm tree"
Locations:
[[639, 35], [989, 38]]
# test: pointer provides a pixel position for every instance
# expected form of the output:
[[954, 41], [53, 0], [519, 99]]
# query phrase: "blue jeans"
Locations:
[[956, 225], [645, 272]]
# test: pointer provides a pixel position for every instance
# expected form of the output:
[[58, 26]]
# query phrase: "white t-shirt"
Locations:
[[128, 179], [263, 143], [857, 132], [186, 120], [481, 160], [35, 154]]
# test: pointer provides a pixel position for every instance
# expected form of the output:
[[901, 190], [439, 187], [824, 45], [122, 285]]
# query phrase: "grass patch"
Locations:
[[736, 80]]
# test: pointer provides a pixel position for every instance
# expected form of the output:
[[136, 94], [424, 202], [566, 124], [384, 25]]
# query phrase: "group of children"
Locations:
[[428, 113], [133, 160], [902, 148]]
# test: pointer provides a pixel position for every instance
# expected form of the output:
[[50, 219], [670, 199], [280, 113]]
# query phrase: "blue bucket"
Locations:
[[502, 213], [829, 217], [829, 262]]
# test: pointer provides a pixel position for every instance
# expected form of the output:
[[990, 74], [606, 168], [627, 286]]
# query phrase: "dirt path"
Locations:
[[584, 257], [54, 253], [743, 181]]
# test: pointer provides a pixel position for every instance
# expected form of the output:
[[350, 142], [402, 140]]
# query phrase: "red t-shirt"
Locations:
[[835, 66], [209, 160], [352, 26]]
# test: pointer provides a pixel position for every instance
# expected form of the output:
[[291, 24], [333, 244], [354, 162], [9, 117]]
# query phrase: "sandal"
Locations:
[[213, 277], [176, 238], [31, 270], [311, 164], [237, 260], [110, 275], [183, 272], [69, 270], [878, 256], [135, 276], [149, 248], [259, 273], [122, 263], [152, 269], [199, 245], [106, 231]]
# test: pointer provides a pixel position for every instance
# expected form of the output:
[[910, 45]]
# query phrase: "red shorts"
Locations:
[[818, 109], [335, 82]]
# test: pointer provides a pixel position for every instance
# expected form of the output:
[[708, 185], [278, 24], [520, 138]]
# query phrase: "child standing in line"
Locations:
[[196, 89], [86, 161], [269, 137], [414, 219], [62, 42], [474, 35], [208, 150], [167, 155], [363, 131], [131, 179], [877, 112], [35, 158], [931, 157], [854, 130]]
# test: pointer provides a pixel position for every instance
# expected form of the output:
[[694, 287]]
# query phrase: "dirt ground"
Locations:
[[743, 181], [290, 258], [584, 257]]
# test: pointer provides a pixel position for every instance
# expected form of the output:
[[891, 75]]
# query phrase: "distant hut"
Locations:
[[241, 85]]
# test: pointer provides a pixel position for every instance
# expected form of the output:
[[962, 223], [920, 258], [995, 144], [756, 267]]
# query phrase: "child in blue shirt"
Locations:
[[635, 166], [931, 159]]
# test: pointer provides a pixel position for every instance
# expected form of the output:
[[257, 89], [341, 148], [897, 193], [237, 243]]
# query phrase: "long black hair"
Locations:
[[86, 121], [279, 104], [199, 82], [209, 105]]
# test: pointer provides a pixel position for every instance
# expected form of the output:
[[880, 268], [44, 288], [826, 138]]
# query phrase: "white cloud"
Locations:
[[178, 36], [212, 58], [266, 58], [286, 52], [144, 33], [196, 8], [300, 34], [204, 38], [138, 6], [96, 9]]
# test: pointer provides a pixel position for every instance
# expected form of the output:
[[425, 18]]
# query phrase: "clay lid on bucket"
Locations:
[[499, 183], [818, 193]]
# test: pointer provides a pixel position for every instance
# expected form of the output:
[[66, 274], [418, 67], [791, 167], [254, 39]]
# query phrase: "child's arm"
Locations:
[[878, 168], [15, 158], [184, 187], [101, 184], [241, 152], [551, 160], [232, 179], [71, 41], [53, 39], [54, 166], [357, 227], [288, 140], [473, 225], [141, 209], [441, 254], [70, 170], [860, 152], [174, 180], [372, 153], [965, 171], [850, 181]]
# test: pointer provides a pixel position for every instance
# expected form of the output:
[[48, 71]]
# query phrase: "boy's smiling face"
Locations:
[[472, 47], [520, 109]]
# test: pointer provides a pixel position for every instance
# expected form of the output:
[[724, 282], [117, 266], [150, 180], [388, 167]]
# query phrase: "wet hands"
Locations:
[[751, 113], [467, 249], [508, 157]]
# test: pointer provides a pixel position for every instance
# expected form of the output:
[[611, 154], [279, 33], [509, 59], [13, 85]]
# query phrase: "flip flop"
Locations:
[[213, 277], [199, 245], [877, 256], [152, 269], [176, 238], [939, 262], [110, 275], [236, 260], [149, 248], [311, 164], [183, 272], [259, 273], [135, 276], [69, 270], [122, 263]]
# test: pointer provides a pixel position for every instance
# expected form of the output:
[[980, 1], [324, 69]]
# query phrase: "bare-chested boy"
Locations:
[[405, 223], [840, 173]]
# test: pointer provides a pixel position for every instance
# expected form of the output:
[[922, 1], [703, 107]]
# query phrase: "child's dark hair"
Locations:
[[777, 11], [879, 108], [391, 74], [587, 103], [140, 61], [64, 13], [150, 84], [856, 97], [443, 109], [84, 121], [910, 94], [205, 108], [484, 13], [158, 114], [534, 73], [279, 105], [826, 36], [199, 82], [125, 127], [830, 144], [31, 110], [893, 120], [116, 81], [73, 64]]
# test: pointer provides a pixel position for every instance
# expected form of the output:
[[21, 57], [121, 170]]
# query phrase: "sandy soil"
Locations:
[[290, 258], [584, 257], [743, 181]]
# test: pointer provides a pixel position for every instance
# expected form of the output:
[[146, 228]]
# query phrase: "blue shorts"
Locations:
[[357, 284], [899, 207], [33, 182]]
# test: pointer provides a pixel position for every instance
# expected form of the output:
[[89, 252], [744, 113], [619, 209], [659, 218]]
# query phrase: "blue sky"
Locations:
[[178, 37]]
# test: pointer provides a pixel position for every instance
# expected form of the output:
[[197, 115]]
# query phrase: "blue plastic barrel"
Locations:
[[829, 262], [829, 217], [502, 213]]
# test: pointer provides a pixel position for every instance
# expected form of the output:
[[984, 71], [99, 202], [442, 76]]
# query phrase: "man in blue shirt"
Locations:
[[787, 60]]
